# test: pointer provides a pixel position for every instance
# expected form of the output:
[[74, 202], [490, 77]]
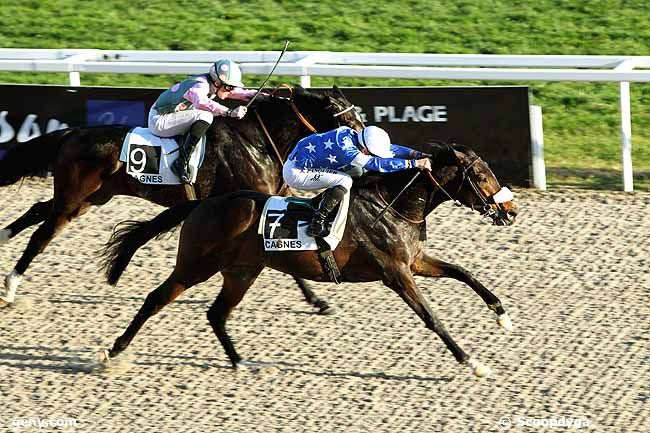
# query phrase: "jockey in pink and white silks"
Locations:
[[189, 106], [323, 160]]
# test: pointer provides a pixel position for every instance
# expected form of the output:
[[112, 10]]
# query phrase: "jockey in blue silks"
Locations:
[[324, 160]]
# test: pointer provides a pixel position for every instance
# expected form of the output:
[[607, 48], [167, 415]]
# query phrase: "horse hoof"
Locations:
[[327, 311], [504, 321], [12, 281], [247, 366], [479, 369], [5, 235], [8, 294], [103, 356]]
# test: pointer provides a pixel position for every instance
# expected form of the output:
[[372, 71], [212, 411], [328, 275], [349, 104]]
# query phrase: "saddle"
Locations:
[[148, 157], [284, 223]]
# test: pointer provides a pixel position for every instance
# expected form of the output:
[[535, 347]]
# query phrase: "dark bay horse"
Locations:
[[87, 171], [220, 234]]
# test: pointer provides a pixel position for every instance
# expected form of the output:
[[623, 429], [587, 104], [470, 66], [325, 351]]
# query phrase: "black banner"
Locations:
[[494, 121]]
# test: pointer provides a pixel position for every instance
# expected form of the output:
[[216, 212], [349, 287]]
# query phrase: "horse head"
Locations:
[[464, 177]]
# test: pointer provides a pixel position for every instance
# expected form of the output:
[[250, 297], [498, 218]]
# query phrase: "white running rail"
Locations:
[[621, 69]]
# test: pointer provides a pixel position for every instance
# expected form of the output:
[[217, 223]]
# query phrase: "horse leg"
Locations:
[[36, 214], [236, 282], [427, 266], [404, 285], [72, 198], [312, 299], [37, 243], [155, 301]]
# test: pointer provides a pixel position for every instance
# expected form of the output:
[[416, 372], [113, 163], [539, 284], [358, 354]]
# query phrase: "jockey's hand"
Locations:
[[238, 112], [423, 164]]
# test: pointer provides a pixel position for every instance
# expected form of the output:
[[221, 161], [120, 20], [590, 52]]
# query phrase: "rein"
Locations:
[[302, 118], [391, 210], [268, 136], [489, 211]]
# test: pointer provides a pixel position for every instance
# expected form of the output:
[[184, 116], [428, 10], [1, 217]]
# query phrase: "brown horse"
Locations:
[[220, 234], [87, 170]]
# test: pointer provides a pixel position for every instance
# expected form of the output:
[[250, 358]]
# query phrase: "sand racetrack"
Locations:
[[573, 273]]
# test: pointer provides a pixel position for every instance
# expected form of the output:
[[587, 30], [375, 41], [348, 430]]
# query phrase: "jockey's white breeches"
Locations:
[[314, 178], [176, 123]]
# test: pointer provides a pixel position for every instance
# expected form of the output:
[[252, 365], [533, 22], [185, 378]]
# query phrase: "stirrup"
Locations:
[[181, 170], [316, 228]]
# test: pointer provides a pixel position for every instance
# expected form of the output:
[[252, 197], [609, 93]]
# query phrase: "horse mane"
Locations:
[[303, 97]]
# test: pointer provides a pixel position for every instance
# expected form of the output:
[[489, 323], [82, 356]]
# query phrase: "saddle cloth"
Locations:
[[284, 222], [148, 157]]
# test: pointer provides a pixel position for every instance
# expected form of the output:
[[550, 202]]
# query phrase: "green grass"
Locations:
[[581, 120]]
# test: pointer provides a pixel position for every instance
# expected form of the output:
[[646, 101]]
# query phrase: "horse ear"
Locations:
[[456, 155], [460, 156]]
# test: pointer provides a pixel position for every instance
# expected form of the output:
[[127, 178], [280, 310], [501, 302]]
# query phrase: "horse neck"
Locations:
[[411, 204], [447, 183], [421, 197], [283, 126]]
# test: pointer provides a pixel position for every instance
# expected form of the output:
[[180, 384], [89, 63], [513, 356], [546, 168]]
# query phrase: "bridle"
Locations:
[[501, 196], [497, 199], [300, 116]]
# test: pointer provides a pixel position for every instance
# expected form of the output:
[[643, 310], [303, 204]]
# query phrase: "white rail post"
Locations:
[[626, 129], [305, 80], [74, 78], [537, 147], [626, 137]]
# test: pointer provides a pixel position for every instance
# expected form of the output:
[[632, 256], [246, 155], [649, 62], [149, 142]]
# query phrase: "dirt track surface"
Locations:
[[574, 274]]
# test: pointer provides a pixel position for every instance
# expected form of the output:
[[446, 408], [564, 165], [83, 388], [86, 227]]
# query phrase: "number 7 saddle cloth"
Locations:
[[284, 222], [148, 157]]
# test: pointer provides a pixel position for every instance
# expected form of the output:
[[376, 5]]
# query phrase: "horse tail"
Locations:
[[131, 235], [31, 157]]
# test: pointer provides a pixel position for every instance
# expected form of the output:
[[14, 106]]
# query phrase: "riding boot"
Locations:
[[331, 198], [180, 166]]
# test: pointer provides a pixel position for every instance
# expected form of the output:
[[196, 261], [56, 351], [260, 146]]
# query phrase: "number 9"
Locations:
[[138, 157]]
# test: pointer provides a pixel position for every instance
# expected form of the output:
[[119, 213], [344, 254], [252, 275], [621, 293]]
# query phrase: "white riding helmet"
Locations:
[[227, 71], [376, 140]]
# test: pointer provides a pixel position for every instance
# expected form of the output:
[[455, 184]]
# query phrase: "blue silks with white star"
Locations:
[[337, 150]]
